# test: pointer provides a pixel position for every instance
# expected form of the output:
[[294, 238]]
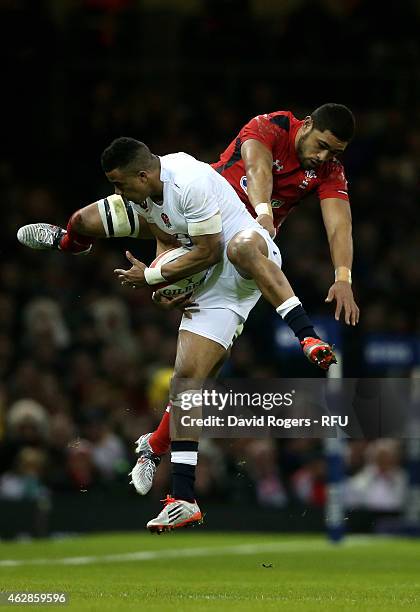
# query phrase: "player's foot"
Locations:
[[44, 236], [175, 514], [143, 444], [40, 236], [144, 471], [318, 352]]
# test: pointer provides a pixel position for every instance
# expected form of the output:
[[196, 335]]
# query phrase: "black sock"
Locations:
[[299, 323], [183, 475]]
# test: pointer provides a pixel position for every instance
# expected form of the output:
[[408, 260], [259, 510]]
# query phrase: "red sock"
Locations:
[[160, 440], [73, 242]]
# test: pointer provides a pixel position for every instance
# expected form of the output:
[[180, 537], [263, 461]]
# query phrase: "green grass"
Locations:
[[205, 571]]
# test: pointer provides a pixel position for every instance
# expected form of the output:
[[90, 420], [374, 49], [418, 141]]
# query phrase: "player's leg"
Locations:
[[82, 226], [196, 358], [152, 446], [255, 256], [109, 217]]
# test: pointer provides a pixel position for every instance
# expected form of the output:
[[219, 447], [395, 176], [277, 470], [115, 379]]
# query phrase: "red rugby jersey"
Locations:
[[291, 183]]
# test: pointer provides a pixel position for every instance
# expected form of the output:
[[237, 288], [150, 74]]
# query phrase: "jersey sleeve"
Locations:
[[262, 129], [334, 185], [199, 201]]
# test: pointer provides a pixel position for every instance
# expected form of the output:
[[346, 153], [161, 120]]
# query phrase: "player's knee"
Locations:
[[243, 248], [183, 379], [86, 221], [77, 222], [185, 396]]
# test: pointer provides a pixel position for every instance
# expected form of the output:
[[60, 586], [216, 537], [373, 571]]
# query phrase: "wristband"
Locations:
[[153, 276], [343, 274], [264, 209]]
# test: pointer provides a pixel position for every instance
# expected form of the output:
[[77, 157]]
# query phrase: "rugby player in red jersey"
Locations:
[[277, 160]]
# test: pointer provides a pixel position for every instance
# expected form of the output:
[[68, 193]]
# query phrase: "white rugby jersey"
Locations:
[[194, 192]]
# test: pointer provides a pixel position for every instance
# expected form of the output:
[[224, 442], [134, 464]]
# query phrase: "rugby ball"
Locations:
[[182, 286]]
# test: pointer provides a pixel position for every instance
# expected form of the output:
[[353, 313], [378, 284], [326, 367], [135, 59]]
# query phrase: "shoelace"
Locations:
[[168, 500], [45, 235]]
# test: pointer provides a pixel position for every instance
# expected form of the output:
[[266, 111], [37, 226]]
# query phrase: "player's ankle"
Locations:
[[293, 313], [159, 447]]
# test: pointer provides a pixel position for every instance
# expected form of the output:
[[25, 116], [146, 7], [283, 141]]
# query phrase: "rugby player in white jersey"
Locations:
[[184, 199]]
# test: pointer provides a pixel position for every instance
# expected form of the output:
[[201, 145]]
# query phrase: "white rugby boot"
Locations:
[[144, 471], [44, 236], [176, 513], [40, 236]]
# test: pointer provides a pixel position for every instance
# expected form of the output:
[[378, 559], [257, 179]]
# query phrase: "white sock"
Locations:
[[187, 457], [288, 305]]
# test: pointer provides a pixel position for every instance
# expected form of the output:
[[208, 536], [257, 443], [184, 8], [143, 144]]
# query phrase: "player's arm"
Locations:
[[258, 161], [164, 241], [336, 215], [207, 239], [206, 252], [184, 303], [135, 276]]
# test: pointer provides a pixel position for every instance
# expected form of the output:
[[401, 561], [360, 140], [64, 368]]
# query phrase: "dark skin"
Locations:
[[208, 249], [313, 148]]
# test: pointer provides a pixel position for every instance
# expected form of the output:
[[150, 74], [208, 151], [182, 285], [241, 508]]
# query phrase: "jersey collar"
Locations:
[[164, 171], [292, 138]]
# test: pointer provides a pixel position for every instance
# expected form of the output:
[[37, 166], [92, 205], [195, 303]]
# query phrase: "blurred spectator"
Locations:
[[27, 426], [25, 480], [44, 321], [308, 483], [158, 389], [261, 462], [381, 484], [81, 473], [210, 482], [106, 448]]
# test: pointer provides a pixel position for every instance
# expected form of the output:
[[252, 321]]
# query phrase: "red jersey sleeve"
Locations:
[[334, 185], [262, 129]]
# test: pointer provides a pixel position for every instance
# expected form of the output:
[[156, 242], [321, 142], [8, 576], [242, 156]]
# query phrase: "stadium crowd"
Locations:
[[85, 364]]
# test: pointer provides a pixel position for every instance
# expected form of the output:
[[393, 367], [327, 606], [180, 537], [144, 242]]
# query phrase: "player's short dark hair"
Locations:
[[336, 118], [127, 153]]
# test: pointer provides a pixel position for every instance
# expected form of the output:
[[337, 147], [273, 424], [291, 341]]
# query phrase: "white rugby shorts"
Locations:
[[226, 298]]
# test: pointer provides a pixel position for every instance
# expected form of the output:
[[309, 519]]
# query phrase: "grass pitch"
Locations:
[[200, 571]]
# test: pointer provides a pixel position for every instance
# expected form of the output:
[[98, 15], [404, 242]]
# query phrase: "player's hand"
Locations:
[[342, 293], [183, 302], [267, 222], [134, 277]]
